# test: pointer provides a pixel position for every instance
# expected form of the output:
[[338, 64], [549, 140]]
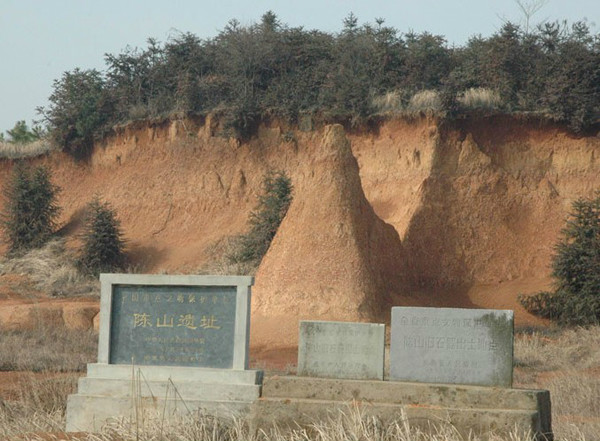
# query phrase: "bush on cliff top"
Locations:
[[267, 69]]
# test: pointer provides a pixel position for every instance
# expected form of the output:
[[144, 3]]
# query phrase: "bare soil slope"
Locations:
[[414, 213]]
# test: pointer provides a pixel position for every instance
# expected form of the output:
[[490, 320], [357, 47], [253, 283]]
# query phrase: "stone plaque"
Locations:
[[173, 325], [341, 350], [448, 345], [167, 320], [186, 333]]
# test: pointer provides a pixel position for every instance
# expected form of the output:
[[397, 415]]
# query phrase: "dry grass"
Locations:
[[222, 262], [426, 102], [400, 103], [575, 405], [567, 349], [479, 98], [344, 425], [40, 407], [567, 363], [17, 151], [52, 270], [47, 349], [38, 401], [225, 267], [391, 103]]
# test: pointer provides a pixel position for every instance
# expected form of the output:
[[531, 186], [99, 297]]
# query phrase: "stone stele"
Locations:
[[450, 345], [341, 350], [169, 344]]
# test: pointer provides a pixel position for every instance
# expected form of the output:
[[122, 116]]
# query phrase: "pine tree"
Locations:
[[21, 134], [31, 210], [577, 262], [264, 221], [103, 247], [46, 210], [576, 268]]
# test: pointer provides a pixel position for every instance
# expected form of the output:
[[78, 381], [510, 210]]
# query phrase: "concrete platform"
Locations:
[[191, 390], [117, 391], [89, 413], [110, 391], [289, 401], [175, 373]]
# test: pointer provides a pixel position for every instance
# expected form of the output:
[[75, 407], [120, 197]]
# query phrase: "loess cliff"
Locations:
[[417, 212]]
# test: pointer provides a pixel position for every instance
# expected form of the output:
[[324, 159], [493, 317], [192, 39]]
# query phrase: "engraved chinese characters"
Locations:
[[341, 350], [448, 345], [173, 325]]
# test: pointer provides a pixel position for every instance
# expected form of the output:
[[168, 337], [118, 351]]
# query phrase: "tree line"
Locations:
[[268, 69]]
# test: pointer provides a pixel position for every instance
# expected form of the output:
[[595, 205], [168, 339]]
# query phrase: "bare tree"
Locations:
[[529, 8]]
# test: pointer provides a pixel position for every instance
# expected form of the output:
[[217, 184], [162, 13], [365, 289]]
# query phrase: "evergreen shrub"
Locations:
[[103, 248], [30, 212], [265, 219], [576, 268]]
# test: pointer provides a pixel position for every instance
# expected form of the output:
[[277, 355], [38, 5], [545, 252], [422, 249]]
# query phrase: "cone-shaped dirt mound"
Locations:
[[332, 257]]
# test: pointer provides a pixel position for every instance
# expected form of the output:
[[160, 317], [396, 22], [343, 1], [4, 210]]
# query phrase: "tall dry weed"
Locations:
[[400, 103], [30, 150], [47, 348], [40, 408], [426, 102], [220, 262], [480, 98], [52, 269], [567, 363], [567, 349], [575, 404], [390, 103], [341, 425]]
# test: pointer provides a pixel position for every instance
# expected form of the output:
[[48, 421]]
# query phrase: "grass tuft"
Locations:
[[47, 349], [222, 264], [52, 270], [565, 362], [479, 98], [426, 102], [400, 103], [560, 350], [9, 150], [40, 408], [391, 103]]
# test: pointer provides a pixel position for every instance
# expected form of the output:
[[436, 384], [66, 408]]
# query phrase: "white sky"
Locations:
[[40, 39]]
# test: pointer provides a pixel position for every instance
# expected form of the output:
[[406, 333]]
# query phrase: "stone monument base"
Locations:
[[293, 401], [110, 391]]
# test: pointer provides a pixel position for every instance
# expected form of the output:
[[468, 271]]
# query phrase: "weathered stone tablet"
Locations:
[[173, 325], [448, 345], [341, 350], [174, 321], [161, 333]]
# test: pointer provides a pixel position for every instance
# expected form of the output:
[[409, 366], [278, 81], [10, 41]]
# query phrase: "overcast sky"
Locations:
[[40, 39]]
